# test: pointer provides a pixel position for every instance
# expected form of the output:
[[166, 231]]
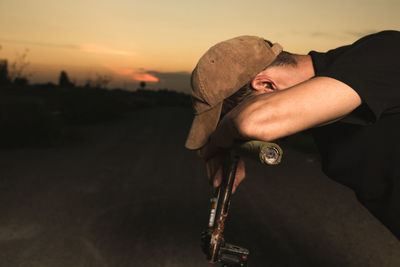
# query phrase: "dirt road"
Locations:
[[128, 194]]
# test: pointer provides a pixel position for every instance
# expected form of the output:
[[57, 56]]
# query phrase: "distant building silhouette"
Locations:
[[64, 81], [4, 79]]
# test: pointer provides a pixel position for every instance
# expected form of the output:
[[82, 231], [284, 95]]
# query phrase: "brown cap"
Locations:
[[220, 72]]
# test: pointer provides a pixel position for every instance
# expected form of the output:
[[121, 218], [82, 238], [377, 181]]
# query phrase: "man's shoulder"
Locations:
[[371, 50], [387, 38], [380, 38], [383, 34]]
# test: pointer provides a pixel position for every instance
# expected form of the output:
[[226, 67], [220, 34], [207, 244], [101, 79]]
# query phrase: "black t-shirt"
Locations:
[[362, 150]]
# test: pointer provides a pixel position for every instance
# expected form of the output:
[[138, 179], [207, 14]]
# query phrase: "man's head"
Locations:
[[273, 77], [220, 73]]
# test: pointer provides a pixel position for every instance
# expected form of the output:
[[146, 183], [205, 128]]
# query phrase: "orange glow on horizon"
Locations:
[[136, 75], [145, 77], [154, 41], [122, 71]]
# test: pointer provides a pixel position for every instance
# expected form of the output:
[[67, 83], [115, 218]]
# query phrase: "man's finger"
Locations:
[[240, 175], [218, 177]]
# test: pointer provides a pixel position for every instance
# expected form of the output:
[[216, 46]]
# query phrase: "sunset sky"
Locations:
[[161, 41]]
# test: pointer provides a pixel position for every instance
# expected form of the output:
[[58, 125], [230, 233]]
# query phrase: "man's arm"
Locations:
[[274, 115], [270, 116]]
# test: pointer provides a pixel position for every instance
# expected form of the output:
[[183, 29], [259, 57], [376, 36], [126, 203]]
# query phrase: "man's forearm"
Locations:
[[274, 115]]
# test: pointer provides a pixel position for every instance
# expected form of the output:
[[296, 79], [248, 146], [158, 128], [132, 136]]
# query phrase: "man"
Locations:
[[349, 97]]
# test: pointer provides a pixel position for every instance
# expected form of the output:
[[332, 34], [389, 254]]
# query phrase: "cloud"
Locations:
[[324, 34], [88, 48], [99, 49], [24, 42], [179, 81], [145, 77], [121, 71], [139, 75], [319, 34], [360, 33], [335, 35]]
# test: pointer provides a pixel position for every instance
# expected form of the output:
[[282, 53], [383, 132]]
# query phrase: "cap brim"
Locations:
[[203, 126]]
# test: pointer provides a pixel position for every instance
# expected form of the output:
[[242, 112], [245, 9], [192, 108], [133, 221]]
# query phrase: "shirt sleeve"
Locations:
[[371, 66]]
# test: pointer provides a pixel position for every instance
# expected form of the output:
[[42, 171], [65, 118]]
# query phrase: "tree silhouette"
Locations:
[[102, 81], [142, 85], [64, 81], [17, 72], [4, 72]]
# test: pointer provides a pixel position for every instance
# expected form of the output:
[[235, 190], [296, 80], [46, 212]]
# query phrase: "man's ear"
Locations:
[[262, 82]]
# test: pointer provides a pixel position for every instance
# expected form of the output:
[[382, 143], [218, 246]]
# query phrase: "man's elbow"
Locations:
[[251, 125]]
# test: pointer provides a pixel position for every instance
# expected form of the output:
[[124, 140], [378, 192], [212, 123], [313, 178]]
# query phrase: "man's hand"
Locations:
[[214, 159]]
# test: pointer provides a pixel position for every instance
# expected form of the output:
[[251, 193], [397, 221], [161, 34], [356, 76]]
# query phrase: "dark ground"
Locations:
[[128, 194]]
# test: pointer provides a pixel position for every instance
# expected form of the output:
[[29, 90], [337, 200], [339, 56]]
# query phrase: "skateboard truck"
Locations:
[[213, 242]]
